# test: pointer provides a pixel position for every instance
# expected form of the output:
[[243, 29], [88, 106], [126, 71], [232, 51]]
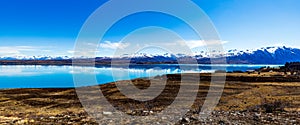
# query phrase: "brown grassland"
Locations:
[[243, 93]]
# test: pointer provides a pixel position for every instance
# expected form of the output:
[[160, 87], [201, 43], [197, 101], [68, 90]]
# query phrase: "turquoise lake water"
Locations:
[[19, 76]]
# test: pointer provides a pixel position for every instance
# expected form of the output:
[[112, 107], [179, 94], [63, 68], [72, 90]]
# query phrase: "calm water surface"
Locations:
[[62, 76]]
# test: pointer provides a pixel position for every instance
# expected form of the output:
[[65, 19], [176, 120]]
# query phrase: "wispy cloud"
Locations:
[[15, 50], [19, 50], [6, 51], [201, 43], [193, 43], [71, 51], [113, 45]]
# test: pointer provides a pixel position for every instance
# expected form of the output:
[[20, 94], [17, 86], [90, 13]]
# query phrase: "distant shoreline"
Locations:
[[106, 62]]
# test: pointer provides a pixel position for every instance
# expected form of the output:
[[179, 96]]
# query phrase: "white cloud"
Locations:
[[15, 50], [26, 48], [19, 50], [111, 45], [192, 44], [47, 50], [202, 43], [71, 51]]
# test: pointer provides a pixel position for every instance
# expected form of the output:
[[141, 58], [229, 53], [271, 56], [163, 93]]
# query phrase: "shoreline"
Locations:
[[240, 77], [97, 63]]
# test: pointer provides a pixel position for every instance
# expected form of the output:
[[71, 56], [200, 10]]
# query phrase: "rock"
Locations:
[[23, 121], [221, 122], [52, 117], [195, 117], [164, 118], [128, 112], [31, 121], [186, 120], [256, 117], [107, 113], [67, 116]]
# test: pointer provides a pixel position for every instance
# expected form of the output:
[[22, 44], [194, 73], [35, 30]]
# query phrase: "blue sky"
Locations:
[[50, 27]]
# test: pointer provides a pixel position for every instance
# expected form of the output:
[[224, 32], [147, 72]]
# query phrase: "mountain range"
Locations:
[[265, 55], [268, 55]]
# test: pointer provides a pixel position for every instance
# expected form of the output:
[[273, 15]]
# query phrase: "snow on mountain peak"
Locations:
[[270, 50], [264, 51], [35, 58]]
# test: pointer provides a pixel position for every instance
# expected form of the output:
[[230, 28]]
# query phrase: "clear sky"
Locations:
[[50, 27]]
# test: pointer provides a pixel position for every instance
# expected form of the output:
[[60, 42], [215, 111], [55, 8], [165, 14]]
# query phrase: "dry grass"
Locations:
[[261, 93], [38, 101], [241, 96]]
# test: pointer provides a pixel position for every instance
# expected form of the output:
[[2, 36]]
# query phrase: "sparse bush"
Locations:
[[238, 71], [270, 106], [276, 106], [273, 106], [220, 71]]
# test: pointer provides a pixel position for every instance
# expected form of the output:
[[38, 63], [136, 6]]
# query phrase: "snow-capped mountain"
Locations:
[[36, 58], [266, 55], [145, 55], [270, 50]]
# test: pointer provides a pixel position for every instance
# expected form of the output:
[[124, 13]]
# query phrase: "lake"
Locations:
[[21, 76]]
